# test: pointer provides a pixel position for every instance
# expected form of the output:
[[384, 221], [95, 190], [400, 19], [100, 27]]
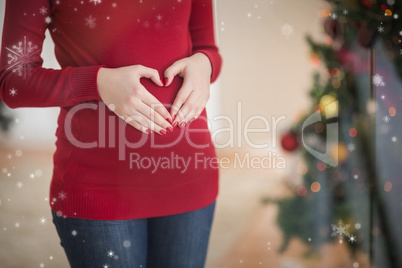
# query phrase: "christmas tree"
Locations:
[[339, 196]]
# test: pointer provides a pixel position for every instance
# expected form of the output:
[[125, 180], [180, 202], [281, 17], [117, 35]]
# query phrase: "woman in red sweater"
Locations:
[[135, 174]]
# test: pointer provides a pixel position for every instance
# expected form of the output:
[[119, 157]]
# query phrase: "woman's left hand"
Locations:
[[192, 97]]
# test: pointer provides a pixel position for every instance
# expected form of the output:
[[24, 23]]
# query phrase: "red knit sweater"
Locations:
[[105, 169]]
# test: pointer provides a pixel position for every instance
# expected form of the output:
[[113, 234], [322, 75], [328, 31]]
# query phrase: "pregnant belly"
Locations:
[[106, 150]]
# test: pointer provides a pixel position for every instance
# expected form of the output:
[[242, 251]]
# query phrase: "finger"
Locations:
[[145, 123], [190, 109], [151, 74], [173, 70], [132, 122], [154, 103], [153, 119], [181, 97]]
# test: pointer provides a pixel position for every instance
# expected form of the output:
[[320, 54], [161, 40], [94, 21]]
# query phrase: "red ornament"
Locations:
[[367, 3], [289, 142]]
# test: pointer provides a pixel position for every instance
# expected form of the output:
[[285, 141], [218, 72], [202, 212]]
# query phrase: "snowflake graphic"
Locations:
[[287, 30], [334, 16], [43, 220], [340, 230], [159, 17], [126, 243], [62, 195], [105, 266], [43, 10], [22, 56], [386, 118], [351, 147], [380, 29], [345, 12], [378, 80], [13, 92], [352, 238], [48, 20], [90, 22], [110, 253], [95, 1], [391, 2], [20, 184]]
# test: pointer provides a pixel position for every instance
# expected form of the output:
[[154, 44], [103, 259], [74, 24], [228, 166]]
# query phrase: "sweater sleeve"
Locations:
[[23, 81], [201, 27]]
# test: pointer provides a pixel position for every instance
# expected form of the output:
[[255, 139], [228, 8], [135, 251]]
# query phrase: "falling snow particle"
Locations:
[[43, 10], [95, 1], [287, 30], [62, 195], [394, 139], [352, 238], [334, 16], [48, 20], [356, 264], [378, 80], [126, 243], [351, 147], [90, 22], [17, 225], [386, 118], [41, 265], [391, 2], [20, 184], [74, 232], [13, 92], [358, 226], [43, 220], [110, 253], [340, 230], [38, 173]]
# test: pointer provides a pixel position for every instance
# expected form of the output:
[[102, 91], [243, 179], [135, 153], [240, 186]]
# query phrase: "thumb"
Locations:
[[173, 70]]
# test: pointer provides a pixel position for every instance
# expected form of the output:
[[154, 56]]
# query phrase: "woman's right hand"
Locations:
[[120, 89]]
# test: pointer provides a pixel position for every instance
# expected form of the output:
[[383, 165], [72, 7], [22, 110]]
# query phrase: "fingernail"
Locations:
[[174, 124], [166, 81], [149, 131], [169, 120], [182, 124], [170, 129], [162, 131], [162, 81], [174, 117], [192, 119]]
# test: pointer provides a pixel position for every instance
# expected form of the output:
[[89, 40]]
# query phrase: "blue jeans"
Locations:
[[174, 241]]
